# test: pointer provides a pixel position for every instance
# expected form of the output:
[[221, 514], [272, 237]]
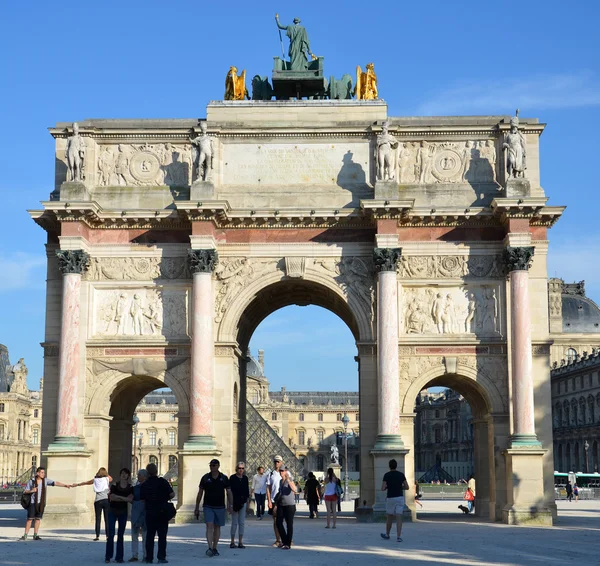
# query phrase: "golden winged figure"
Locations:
[[235, 86], [366, 83]]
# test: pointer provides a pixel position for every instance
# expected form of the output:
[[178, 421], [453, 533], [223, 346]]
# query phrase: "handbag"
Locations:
[[169, 511], [25, 500], [469, 495], [338, 490]]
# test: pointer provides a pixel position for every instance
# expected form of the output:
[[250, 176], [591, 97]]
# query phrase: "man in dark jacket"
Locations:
[[240, 490], [157, 493]]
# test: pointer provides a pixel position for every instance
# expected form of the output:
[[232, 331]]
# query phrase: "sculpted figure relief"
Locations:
[[299, 45], [407, 164], [75, 154], [366, 83], [424, 157], [122, 166], [204, 143], [387, 146], [516, 150], [235, 86]]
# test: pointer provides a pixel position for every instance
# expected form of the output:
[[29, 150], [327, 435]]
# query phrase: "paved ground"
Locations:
[[442, 536]]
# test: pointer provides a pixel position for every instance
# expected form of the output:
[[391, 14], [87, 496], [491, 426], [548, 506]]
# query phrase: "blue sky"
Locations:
[[64, 61]]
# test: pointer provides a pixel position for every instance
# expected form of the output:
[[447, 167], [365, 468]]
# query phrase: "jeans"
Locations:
[[470, 505], [260, 504], [114, 518], [313, 508], [135, 533], [238, 519], [101, 507], [286, 513], [155, 524]]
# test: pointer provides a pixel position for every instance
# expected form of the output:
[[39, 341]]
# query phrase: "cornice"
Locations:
[[532, 208]]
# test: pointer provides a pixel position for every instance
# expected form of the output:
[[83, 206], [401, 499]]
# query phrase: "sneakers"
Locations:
[[216, 552], [398, 539], [210, 552], [97, 538], [24, 537], [384, 536], [37, 537], [232, 545]]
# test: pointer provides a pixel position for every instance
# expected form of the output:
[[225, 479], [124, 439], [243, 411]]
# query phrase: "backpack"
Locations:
[[338, 490]]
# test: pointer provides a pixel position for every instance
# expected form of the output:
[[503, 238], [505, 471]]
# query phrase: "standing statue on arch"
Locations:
[[514, 143], [299, 45]]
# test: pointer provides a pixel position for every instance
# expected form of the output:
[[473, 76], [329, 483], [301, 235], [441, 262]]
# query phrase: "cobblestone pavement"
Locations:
[[443, 536]]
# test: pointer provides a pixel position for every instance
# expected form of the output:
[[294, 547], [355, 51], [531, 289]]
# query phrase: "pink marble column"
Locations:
[[518, 260], [387, 349], [202, 263], [72, 263]]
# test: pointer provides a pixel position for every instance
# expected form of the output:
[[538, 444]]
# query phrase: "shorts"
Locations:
[[394, 505], [214, 515], [330, 498], [33, 514]]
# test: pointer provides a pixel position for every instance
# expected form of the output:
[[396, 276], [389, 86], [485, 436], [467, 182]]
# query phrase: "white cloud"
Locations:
[[21, 270], [547, 91]]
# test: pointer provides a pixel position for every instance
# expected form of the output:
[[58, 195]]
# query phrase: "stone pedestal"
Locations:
[[517, 188], [525, 488], [68, 507], [202, 190], [387, 190], [193, 464], [337, 470], [74, 191], [381, 461]]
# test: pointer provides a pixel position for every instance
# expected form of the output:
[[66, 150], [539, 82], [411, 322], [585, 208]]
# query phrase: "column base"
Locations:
[[66, 443], [389, 442], [524, 441], [200, 442], [526, 503], [381, 459]]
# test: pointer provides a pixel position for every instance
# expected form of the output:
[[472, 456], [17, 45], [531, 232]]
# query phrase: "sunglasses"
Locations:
[[241, 468]]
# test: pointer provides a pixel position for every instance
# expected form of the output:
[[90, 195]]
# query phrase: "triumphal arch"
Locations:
[[169, 241]]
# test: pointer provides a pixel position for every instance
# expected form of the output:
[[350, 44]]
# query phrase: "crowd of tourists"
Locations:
[[275, 494]]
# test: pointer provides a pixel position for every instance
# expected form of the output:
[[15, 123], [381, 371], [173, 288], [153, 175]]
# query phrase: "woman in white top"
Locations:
[[101, 483], [331, 496]]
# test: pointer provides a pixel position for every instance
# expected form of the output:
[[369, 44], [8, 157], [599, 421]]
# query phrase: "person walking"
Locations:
[[286, 509], [101, 482], [576, 492], [120, 494], [240, 491], [213, 486], [569, 489], [259, 491], [38, 487], [418, 494], [340, 494], [331, 497], [312, 495], [138, 517], [273, 483], [394, 482], [157, 493]]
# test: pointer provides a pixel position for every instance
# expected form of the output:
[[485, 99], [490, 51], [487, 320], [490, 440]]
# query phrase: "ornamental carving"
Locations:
[[233, 275], [447, 267], [412, 367], [147, 164], [494, 368], [386, 259], [137, 268], [141, 312], [518, 258], [72, 261], [203, 261], [451, 310]]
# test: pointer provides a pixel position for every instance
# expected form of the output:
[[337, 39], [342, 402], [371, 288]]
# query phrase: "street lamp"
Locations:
[[345, 421], [586, 447], [159, 454], [136, 421]]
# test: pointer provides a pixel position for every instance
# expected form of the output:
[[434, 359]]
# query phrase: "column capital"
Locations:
[[72, 261], [386, 259], [518, 258], [203, 261]]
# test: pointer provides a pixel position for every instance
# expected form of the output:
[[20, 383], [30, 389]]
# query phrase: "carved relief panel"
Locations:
[[469, 309], [126, 313]]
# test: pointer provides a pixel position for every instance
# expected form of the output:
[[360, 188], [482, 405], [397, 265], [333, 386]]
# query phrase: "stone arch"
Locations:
[[314, 288]]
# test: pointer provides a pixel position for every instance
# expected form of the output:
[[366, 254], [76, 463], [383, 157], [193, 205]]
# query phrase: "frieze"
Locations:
[[137, 268], [224, 351], [451, 310], [50, 350], [540, 350], [495, 368], [146, 164], [450, 266]]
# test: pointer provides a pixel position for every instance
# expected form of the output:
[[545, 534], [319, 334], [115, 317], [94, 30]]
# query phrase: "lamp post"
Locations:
[[586, 447], [345, 421], [136, 421], [140, 442], [159, 454]]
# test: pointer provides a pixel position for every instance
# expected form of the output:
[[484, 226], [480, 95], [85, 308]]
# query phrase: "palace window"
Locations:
[[152, 417], [154, 460], [152, 437], [1, 407], [1, 431], [301, 438], [437, 415], [571, 355], [438, 435], [273, 416], [319, 436], [254, 397], [320, 417], [172, 462], [35, 436], [34, 461], [338, 417], [357, 417], [172, 437], [301, 417], [320, 463], [36, 413]]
